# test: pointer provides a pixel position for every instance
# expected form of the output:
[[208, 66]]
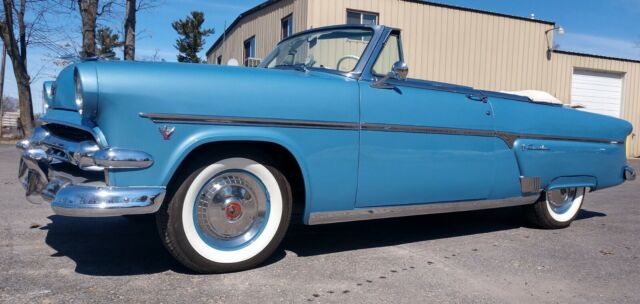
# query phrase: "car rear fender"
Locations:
[[571, 163]]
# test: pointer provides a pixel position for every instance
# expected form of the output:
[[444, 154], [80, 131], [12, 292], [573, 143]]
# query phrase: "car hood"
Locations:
[[145, 74]]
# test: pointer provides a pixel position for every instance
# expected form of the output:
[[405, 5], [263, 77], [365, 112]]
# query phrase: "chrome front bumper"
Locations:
[[70, 176]]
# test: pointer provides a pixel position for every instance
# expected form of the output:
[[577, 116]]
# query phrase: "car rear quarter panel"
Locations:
[[564, 162]]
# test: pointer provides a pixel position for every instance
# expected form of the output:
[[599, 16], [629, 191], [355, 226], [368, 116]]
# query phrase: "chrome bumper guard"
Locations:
[[69, 175], [629, 173]]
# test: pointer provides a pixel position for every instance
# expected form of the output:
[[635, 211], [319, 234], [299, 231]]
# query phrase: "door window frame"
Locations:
[[367, 74]]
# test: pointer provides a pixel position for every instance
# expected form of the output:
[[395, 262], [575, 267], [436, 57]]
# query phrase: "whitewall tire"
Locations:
[[228, 214], [557, 208]]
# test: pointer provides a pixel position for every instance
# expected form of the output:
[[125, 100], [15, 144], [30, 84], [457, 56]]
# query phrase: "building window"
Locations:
[[249, 50], [359, 17], [219, 59], [286, 26]]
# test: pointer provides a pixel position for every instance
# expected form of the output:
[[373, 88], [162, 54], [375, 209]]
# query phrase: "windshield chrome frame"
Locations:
[[379, 31]]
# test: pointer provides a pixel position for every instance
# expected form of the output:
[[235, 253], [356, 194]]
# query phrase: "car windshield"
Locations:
[[336, 49]]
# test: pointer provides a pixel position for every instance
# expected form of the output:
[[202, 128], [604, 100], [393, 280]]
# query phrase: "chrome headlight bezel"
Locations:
[[86, 90], [79, 98], [49, 92]]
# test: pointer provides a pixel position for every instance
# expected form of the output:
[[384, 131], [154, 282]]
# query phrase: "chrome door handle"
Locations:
[[480, 98]]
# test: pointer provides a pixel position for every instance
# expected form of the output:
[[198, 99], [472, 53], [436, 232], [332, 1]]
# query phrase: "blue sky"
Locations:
[[608, 28]]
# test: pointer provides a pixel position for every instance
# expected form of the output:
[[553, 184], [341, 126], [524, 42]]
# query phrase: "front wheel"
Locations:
[[229, 214], [556, 209]]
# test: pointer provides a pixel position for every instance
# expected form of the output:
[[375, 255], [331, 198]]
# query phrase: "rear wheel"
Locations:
[[228, 214], [556, 209]]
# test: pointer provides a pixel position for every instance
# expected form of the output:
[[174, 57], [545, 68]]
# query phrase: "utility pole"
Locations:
[[4, 61]]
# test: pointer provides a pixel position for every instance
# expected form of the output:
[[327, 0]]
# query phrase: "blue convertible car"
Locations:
[[329, 127]]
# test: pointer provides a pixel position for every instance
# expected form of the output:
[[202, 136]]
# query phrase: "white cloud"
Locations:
[[598, 45]]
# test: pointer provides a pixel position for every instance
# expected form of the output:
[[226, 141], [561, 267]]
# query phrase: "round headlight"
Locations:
[[79, 97]]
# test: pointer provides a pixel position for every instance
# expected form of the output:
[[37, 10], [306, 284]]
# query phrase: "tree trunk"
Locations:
[[3, 63], [17, 51], [89, 14], [26, 106], [2, 69], [130, 31]]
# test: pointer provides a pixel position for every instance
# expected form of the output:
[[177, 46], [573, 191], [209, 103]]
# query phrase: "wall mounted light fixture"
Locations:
[[557, 29]]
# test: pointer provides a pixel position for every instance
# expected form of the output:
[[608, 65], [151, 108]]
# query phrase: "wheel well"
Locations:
[[281, 156]]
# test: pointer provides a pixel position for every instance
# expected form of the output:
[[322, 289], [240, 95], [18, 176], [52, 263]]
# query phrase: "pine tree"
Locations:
[[106, 41], [191, 38]]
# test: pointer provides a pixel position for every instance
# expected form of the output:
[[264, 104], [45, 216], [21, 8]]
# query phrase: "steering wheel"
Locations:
[[345, 58]]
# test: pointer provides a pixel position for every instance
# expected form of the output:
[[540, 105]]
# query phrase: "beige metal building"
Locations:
[[486, 50]]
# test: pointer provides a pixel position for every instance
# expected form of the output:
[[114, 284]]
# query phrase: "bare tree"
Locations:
[[130, 30], [89, 14], [132, 7], [17, 51], [24, 25]]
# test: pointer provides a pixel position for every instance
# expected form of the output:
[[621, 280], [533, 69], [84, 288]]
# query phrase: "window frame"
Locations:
[[219, 60], [362, 13], [289, 20], [400, 52], [367, 72], [245, 58]]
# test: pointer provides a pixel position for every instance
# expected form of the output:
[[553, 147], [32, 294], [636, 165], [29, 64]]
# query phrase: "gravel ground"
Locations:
[[472, 257]]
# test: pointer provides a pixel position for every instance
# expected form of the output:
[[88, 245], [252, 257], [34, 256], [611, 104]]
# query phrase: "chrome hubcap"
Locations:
[[231, 209], [561, 200]]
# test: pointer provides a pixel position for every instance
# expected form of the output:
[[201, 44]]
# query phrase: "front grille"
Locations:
[[75, 175], [69, 133]]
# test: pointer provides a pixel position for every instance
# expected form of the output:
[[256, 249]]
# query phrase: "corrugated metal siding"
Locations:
[[451, 45], [265, 25]]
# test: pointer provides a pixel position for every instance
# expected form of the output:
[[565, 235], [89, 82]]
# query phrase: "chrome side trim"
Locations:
[[429, 130], [530, 184], [248, 121], [508, 137], [316, 218]]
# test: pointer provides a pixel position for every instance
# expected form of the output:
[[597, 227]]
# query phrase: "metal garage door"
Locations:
[[598, 92]]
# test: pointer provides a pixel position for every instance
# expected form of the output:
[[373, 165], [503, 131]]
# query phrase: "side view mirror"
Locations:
[[399, 71]]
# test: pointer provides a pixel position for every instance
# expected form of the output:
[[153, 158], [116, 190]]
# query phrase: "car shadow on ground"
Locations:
[[119, 246]]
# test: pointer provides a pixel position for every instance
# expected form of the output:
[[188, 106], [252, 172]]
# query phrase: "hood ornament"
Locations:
[[166, 132]]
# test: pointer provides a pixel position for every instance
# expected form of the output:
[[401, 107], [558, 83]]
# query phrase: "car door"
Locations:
[[422, 142]]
